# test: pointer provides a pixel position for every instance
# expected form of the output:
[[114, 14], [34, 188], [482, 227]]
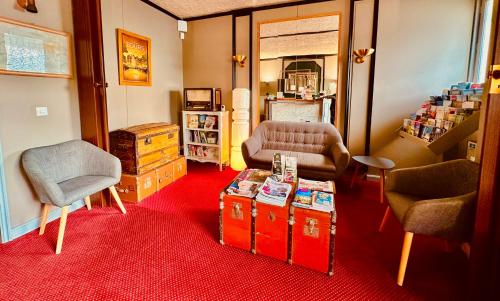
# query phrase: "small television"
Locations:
[[202, 99]]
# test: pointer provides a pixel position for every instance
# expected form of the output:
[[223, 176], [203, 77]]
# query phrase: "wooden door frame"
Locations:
[[484, 267], [89, 53]]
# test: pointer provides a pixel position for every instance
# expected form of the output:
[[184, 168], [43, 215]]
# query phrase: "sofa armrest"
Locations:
[[340, 157], [250, 147], [450, 218]]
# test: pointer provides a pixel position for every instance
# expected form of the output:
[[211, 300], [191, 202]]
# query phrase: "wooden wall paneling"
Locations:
[[90, 75], [484, 269]]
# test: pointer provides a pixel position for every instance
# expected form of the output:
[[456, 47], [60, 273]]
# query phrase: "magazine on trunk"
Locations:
[[248, 182], [274, 192]]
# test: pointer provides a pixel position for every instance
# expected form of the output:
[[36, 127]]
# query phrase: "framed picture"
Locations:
[[134, 59], [32, 50]]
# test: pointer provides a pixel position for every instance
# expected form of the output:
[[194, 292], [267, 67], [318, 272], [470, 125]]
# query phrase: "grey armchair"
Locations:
[[436, 200], [64, 173]]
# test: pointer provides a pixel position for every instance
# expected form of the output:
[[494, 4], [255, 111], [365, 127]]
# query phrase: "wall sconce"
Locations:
[[28, 5], [240, 59], [361, 54]]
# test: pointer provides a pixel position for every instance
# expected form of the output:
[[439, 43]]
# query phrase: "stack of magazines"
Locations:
[[314, 195], [274, 193], [248, 182]]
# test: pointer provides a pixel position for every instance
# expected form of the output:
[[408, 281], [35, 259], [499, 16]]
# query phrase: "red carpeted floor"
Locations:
[[167, 248]]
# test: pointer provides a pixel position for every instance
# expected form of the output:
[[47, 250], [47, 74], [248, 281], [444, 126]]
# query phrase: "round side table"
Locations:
[[382, 164]]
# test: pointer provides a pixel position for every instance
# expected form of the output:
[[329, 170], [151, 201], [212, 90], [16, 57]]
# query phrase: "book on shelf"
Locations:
[[201, 121], [210, 123], [274, 193], [192, 121], [211, 137], [207, 152]]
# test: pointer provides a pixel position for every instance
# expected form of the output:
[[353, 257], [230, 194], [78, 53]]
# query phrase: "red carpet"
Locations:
[[167, 248]]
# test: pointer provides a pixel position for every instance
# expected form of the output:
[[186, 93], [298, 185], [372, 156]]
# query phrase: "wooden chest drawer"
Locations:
[[180, 168], [135, 188], [144, 147], [236, 221], [165, 175], [313, 238]]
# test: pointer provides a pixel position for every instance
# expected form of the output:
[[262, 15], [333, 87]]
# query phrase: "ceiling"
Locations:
[[195, 8]]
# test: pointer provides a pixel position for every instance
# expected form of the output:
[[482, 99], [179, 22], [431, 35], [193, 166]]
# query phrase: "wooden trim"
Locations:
[[484, 267], [233, 51], [156, 6], [371, 83], [250, 71], [250, 10], [339, 55], [348, 94], [120, 33], [68, 37]]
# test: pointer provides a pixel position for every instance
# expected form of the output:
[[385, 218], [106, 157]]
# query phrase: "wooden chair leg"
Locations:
[[62, 227], [88, 203], [382, 184], [354, 175], [384, 219], [43, 218], [404, 257], [117, 199]]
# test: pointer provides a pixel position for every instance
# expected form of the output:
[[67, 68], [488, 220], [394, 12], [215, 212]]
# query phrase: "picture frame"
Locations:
[[134, 59], [45, 52]]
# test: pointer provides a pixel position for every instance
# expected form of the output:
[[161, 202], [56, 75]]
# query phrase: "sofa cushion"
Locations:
[[304, 160]]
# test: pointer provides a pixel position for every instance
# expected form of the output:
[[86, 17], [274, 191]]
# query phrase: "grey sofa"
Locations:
[[318, 147], [64, 173], [436, 200]]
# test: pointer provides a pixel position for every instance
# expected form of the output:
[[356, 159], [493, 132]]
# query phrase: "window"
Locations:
[[483, 42]]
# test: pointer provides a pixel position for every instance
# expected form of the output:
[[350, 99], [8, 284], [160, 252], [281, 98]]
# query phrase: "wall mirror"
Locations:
[[298, 68]]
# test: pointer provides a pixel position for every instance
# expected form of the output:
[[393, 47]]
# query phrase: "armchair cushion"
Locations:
[[77, 188]]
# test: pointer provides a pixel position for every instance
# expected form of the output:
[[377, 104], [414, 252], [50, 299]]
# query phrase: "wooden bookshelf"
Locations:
[[451, 138], [217, 153]]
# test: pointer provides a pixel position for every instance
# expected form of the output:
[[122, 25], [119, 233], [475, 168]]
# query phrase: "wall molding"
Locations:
[[5, 230]]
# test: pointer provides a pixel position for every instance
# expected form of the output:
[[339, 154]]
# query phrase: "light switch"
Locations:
[[42, 111]]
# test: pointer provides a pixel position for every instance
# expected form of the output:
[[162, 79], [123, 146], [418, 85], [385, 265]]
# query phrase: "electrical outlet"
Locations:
[[42, 111]]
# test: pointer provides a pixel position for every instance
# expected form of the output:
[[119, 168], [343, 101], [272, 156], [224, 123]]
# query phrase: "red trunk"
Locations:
[[236, 221], [271, 231], [312, 240]]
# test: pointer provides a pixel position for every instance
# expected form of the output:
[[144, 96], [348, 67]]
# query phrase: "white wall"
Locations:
[[20, 129], [422, 48], [131, 105]]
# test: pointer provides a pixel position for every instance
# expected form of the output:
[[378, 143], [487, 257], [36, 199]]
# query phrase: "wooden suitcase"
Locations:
[[164, 175], [179, 168], [235, 221], [143, 148], [313, 239], [135, 188], [272, 230]]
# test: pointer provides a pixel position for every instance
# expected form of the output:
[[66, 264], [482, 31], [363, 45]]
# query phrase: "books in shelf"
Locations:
[[204, 137], [274, 193], [202, 121], [248, 182], [315, 195], [210, 153]]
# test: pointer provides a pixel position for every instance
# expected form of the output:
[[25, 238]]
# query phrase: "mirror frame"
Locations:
[[339, 57]]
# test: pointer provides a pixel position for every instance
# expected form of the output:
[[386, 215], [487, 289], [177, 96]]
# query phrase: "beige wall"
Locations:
[[422, 48], [131, 105], [20, 129]]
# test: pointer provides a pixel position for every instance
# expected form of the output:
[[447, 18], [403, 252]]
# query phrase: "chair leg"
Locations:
[[62, 227], [382, 184], [385, 219], [404, 257], [43, 218], [88, 203], [117, 199]]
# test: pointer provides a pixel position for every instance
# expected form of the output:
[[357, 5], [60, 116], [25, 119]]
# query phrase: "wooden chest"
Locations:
[[313, 239], [145, 147], [272, 230], [235, 221], [135, 188], [171, 172]]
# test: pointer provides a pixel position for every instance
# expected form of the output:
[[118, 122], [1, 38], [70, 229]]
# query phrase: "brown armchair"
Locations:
[[436, 200]]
